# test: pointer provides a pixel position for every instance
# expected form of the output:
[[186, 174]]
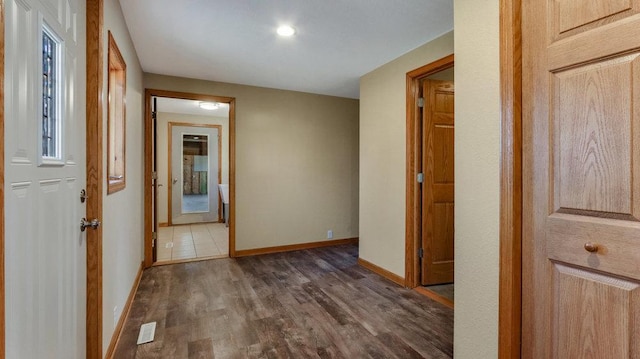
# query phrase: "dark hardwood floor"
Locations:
[[308, 304]]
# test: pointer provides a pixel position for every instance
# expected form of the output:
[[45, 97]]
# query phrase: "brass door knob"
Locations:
[[590, 247]]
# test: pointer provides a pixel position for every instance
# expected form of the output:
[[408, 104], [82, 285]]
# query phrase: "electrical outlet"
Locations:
[[115, 316], [329, 234]]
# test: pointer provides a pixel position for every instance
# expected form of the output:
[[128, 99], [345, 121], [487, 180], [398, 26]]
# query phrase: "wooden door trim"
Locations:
[[148, 162], [95, 179], [2, 299], [510, 285], [170, 163], [412, 218]]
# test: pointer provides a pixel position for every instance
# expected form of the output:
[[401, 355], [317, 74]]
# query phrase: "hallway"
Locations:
[[314, 303]]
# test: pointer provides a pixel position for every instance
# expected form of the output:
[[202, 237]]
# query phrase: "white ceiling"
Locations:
[[190, 107], [235, 41]]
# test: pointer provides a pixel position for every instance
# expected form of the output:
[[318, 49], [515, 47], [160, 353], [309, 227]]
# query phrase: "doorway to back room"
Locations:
[[192, 167]]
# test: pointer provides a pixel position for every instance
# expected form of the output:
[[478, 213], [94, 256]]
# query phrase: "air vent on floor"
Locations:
[[147, 332]]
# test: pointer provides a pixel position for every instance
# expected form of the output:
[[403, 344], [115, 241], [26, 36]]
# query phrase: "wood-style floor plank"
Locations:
[[315, 303]]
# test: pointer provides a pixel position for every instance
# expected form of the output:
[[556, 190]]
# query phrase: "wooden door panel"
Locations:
[[443, 119], [442, 251], [579, 49], [580, 172], [443, 154], [596, 316], [575, 13], [438, 188], [444, 101], [571, 17], [442, 193], [618, 243], [592, 136]]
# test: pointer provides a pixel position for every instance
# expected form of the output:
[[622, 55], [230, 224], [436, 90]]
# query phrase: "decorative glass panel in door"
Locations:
[[194, 172]]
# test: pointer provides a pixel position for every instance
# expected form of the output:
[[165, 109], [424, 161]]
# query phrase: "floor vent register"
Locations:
[[147, 332]]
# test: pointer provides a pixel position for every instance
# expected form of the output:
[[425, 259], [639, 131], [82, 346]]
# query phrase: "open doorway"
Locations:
[[430, 180], [190, 153]]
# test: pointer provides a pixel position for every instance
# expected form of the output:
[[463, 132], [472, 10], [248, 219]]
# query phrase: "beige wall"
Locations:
[[477, 148], [122, 217], [383, 155], [296, 162], [163, 152]]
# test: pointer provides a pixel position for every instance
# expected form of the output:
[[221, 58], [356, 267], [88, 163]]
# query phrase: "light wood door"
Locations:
[[437, 194], [45, 170], [581, 170]]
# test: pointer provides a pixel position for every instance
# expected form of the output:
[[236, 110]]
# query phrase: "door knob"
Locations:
[[175, 180], [590, 247], [94, 223]]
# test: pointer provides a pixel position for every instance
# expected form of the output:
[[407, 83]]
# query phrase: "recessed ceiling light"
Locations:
[[286, 30], [208, 105]]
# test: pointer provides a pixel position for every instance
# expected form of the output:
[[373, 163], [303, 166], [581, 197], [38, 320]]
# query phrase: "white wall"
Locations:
[[122, 218], [383, 155], [163, 152], [477, 149], [296, 162]]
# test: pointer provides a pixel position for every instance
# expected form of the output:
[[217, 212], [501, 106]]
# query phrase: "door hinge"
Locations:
[[154, 115], [420, 177], [154, 236], [421, 102], [154, 175], [420, 253]]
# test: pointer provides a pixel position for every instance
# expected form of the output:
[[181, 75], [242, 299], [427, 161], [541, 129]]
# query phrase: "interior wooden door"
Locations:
[[581, 171], [437, 194]]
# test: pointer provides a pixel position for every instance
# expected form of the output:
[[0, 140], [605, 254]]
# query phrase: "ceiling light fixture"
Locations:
[[286, 30], [208, 105]]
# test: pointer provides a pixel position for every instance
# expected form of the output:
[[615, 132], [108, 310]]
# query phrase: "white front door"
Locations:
[[195, 158], [45, 171]]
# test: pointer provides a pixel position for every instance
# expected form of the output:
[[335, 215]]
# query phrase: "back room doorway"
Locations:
[[192, 165]]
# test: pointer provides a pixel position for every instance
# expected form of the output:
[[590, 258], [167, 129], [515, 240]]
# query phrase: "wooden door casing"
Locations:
[[438, 193], [581, 220]]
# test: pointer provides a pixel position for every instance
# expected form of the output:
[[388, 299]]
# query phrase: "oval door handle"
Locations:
[[590, 247]]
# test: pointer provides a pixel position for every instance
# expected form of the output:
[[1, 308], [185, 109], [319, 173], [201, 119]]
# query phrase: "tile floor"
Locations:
[[193, 241]]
